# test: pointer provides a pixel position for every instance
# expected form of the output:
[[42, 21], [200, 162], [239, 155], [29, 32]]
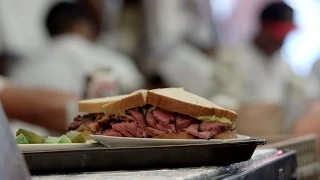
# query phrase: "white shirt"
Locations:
[[185, 66], [66, 62], [248, 75]]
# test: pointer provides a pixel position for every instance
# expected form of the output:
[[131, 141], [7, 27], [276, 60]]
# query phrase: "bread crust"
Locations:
[[187, 108], [132, 101], [95, 105]]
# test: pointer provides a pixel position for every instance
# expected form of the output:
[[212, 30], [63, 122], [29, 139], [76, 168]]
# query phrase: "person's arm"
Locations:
[[41, 107]]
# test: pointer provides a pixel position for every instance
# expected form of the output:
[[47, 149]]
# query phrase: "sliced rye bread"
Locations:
[[171, 99]]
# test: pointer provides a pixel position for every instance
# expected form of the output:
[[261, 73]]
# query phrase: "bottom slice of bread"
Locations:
[[230, 134], [226, 135]]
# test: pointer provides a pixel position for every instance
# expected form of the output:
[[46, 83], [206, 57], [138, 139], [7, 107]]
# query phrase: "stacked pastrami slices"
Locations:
[[148, 122]]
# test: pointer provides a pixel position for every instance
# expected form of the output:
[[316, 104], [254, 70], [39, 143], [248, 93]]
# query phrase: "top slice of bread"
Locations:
[[181, 101], [171, 99], [94, 105], [132, 101]]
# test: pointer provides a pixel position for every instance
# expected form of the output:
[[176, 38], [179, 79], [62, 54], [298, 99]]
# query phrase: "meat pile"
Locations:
[[147, 122]]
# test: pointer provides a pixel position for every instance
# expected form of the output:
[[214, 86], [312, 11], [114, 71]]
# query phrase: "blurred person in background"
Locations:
[[72, 60], [178, 32], [258, 71], [184, 65], [254, 75]]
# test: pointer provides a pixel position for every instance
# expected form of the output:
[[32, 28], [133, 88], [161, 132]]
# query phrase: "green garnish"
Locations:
[[27, 137]]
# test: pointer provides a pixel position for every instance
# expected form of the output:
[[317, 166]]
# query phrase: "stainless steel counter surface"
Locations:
[[166, 174]]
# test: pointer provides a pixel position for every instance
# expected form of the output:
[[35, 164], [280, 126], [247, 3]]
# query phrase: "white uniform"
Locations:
[[168, 22], [248, 75], [69, 59]]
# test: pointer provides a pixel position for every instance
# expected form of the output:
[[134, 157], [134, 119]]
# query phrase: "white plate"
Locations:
[[113, 141], [54, 147]]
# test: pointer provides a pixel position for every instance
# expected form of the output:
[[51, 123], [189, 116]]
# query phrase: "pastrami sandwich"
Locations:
[[170, 113]]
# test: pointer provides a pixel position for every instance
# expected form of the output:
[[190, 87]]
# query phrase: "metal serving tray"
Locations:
[[132, 158]]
